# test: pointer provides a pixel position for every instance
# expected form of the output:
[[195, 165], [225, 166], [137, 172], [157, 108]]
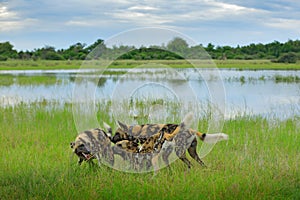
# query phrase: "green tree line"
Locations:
[[177, 48]]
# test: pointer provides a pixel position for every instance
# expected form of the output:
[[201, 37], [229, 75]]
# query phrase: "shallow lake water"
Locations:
[[257, 92]]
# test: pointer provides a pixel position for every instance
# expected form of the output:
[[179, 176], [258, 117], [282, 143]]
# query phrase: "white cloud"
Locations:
[[230, 8], [79, 23], [10, 20], [148, 13], [145, 8], [140, 18], [236, 20], [88, 22], [225, 11], [180, 12], [281, 23], [5, 13]]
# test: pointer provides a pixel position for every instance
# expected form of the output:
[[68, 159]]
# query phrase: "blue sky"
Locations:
[[30, 24]]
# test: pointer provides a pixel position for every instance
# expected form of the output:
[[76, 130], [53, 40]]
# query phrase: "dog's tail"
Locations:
[[207, 138], [185, 125], [212, 138]]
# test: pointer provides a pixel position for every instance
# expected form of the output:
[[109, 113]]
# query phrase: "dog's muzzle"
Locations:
[[82, 152]]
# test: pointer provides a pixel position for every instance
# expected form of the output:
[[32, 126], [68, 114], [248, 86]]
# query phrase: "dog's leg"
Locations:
[[154, 161], [80, 161], [109, 156], [166, 153], [140, 161], [98, 159], [91, 163], [180, 152], [180, 149], [136, 161], [147, 159], [193, 152], [185, 160]]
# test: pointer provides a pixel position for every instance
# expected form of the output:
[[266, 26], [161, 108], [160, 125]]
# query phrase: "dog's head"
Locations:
[[90, 142], [81, 150]]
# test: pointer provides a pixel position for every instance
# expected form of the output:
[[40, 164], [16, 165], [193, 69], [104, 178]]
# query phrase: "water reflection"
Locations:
[[256, 92]]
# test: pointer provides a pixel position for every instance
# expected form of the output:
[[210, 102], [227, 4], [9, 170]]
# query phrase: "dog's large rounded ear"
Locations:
[[187, 121], [72, 144], [108, 128], [123, 126]]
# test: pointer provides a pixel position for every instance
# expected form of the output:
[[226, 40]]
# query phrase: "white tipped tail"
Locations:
[[214, 138]]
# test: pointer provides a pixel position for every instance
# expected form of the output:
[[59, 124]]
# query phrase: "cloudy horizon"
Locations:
[[31, 24]]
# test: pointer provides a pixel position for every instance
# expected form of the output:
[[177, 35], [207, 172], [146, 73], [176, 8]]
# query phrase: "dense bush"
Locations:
[[290, 57], [177, 48], [3, 58]]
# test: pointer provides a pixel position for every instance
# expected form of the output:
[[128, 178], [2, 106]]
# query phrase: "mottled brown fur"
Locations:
[[152, 136], [94, 143]]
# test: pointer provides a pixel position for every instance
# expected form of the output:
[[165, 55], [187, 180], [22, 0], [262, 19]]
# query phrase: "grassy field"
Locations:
[[75, 64], [260, 161]]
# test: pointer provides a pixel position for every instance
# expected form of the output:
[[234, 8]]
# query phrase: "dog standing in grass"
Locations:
[[94, 143], [178, 136], [142, 143]]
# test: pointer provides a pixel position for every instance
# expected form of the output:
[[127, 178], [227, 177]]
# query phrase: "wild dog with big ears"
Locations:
[[146, 143], [152, 138], [94, 143]]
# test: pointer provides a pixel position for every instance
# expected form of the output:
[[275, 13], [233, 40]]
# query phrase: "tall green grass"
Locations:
[[260, 161], [8, 80], [76, 64]]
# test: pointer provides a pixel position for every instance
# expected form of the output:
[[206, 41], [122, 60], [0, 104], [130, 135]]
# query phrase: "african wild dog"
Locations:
[[94, 143], [141, 137], [146, 150], [144, 146], [141, 134]]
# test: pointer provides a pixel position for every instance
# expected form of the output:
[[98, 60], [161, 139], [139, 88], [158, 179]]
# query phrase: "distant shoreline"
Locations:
[[76, 64]]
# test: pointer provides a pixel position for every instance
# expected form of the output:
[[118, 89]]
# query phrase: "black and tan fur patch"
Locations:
[[94, 143], [151, 137]]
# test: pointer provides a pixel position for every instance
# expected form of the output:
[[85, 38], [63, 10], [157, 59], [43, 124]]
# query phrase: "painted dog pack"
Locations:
[[161, 137], [142, 144]]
